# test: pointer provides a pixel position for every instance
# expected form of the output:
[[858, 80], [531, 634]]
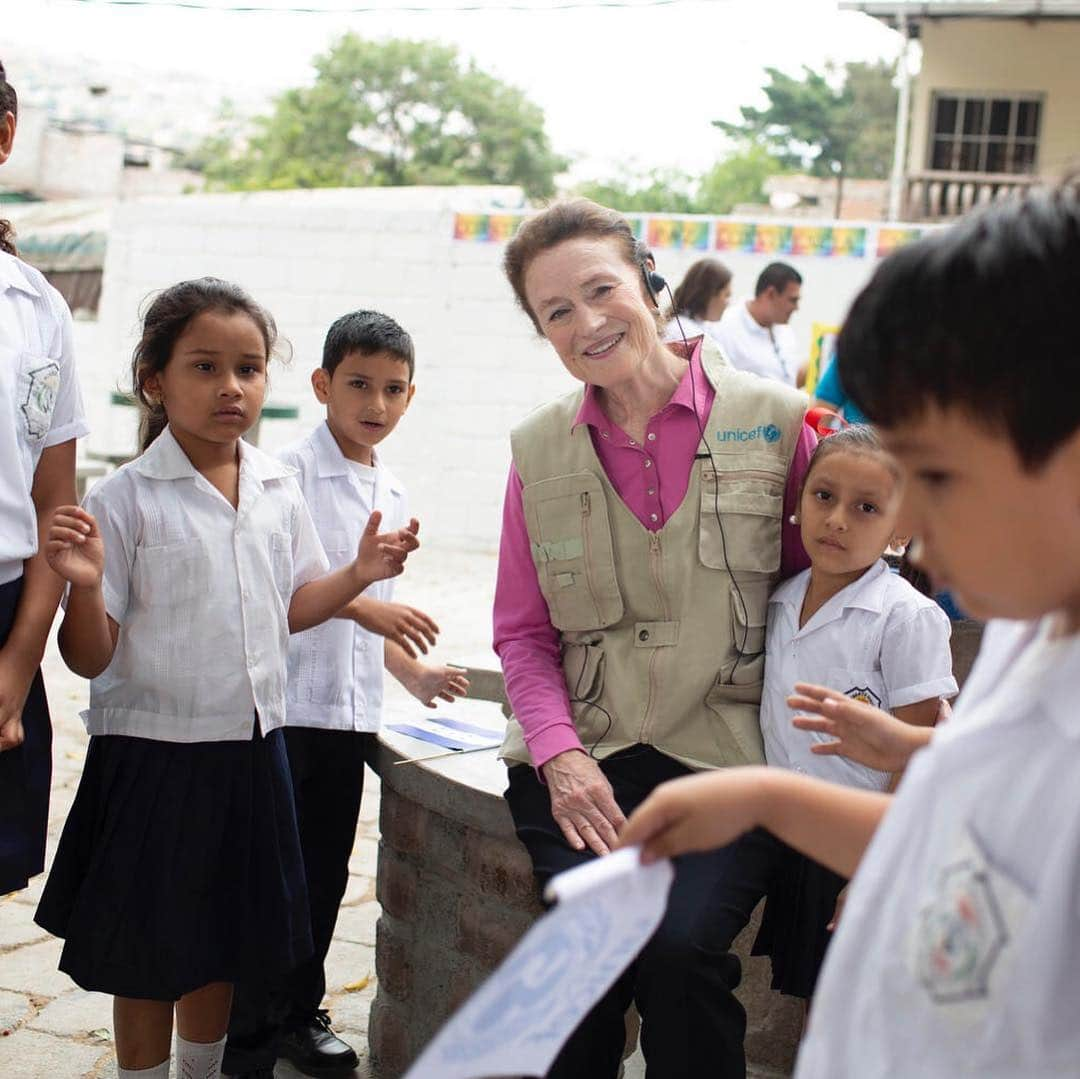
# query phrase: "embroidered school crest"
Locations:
[[864, 694], [39, 398], [960, 935]]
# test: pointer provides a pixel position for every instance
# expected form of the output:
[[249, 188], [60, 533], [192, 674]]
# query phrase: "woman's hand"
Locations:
[[383, 554], [74, 548], [582, 802], [863, 733], [696, 813]]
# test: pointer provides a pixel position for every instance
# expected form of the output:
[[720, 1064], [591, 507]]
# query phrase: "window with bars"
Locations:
[[991, 133]]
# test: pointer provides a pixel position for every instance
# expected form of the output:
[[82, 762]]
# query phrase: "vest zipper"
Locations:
[[654, 565], [586, 511]]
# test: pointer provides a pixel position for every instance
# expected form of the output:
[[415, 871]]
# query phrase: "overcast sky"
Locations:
[[635, 84]]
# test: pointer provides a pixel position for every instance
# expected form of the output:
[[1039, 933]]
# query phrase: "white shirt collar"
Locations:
[[12, 276], [751, 323], [165, 459], [867, 593], [330, 461]]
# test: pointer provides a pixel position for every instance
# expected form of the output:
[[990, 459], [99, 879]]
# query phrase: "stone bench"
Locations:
[[457, 892]]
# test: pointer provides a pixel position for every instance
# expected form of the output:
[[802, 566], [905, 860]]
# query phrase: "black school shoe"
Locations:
[[314, 1048]]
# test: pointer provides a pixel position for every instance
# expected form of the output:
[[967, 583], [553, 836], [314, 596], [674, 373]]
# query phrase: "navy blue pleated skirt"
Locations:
[[25, 774], [793, 931], [179, 865]]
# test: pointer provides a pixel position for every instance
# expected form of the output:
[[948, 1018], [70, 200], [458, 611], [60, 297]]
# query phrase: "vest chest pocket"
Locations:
[[750, 505], [570, 541]]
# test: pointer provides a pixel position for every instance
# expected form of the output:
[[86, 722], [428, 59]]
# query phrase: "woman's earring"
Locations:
[[793, 519]]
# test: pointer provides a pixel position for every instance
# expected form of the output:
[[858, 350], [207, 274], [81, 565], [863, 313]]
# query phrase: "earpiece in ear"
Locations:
[[656, 282]]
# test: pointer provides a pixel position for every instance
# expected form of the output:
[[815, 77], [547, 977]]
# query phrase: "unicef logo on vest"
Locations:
[[768, 433]]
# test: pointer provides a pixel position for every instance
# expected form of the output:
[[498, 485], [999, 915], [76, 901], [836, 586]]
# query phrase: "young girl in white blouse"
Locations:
[[179, 869], [850, 623]]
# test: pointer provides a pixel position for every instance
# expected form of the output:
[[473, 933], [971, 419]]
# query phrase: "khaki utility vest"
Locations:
[[663, 633]]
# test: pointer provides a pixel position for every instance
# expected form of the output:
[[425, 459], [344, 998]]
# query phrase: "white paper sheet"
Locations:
[[518, 1020]]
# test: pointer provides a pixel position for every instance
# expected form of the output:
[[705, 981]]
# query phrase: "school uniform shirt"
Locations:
[[336, 669], [878, 640], [40, 402], [958, 953], [201, 593], [768, 351]]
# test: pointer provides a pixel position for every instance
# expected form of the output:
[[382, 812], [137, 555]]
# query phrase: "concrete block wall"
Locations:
[[310, 256]]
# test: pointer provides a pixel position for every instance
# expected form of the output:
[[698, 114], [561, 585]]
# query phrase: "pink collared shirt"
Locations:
[[651, 478]]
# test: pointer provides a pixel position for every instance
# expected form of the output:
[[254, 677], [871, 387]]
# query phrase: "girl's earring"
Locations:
[[793, 519]]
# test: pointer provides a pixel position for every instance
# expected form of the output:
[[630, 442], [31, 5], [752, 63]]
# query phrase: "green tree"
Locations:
[[738, 178], [392, 112], [658, 191], [832, 123]]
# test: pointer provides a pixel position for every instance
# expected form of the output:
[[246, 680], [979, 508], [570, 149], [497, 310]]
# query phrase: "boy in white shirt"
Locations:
[[334, 694], [959, 949]]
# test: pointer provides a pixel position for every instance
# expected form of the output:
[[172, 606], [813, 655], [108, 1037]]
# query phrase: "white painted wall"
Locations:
[[312, 256]]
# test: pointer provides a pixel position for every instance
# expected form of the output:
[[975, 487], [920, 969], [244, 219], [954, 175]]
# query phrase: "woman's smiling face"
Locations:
[[591, 305]]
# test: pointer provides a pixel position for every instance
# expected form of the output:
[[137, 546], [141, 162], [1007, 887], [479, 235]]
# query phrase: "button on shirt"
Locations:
[[336, 669], [877, 640], [652, 481], [40, 402], [959, 950], [201, 593], [768, 351]]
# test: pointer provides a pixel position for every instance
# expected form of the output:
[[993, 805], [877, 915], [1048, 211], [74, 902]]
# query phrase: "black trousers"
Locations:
[[25, 774], [328, 781], [684, 979]]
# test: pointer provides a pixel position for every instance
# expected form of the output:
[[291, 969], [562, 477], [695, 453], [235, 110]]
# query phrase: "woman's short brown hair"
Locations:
[[702, 282], [560, 222]]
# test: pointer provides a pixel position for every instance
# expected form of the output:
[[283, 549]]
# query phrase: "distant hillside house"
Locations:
[[996, 105]]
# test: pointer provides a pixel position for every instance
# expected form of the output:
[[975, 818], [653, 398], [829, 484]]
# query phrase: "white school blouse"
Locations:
[[201, 594], [878, 640], [959, 950], [336, 669], [40, 402]]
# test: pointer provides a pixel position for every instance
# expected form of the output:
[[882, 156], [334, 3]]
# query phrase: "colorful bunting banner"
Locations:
[[694, 233]]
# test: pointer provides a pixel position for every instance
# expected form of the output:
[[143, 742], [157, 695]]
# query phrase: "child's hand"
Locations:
[[382, 554], [863, 733], [74, 548], [408, 628], [446, 683], [695, 813]]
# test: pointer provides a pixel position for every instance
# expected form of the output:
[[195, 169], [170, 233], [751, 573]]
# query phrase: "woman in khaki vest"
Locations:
[[643, 528]]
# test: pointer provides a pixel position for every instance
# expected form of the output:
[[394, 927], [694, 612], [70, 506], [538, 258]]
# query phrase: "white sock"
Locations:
[[158, 1071], [198, 1060]]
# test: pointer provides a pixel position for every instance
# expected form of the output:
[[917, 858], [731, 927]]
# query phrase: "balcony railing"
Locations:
[[942, 196]]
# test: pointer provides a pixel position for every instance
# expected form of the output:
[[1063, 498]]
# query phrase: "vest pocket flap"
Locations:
[[747, 536], [571, 546], [656, 634]]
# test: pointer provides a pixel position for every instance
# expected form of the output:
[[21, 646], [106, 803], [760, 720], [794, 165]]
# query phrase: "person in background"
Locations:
[[699, 301], [829, 393], [755, 335], [41, 416]]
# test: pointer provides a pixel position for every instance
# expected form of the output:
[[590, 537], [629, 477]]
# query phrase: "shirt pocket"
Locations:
[[36, 390], [571, 546], [281, 563], [746, 537], [174, 575], [339, 550]]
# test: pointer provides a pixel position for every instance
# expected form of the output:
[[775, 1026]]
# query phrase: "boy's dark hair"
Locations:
[[702, 282], [165, 320], [980, 316], [777, 275], [367, 332], [9, 102]]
